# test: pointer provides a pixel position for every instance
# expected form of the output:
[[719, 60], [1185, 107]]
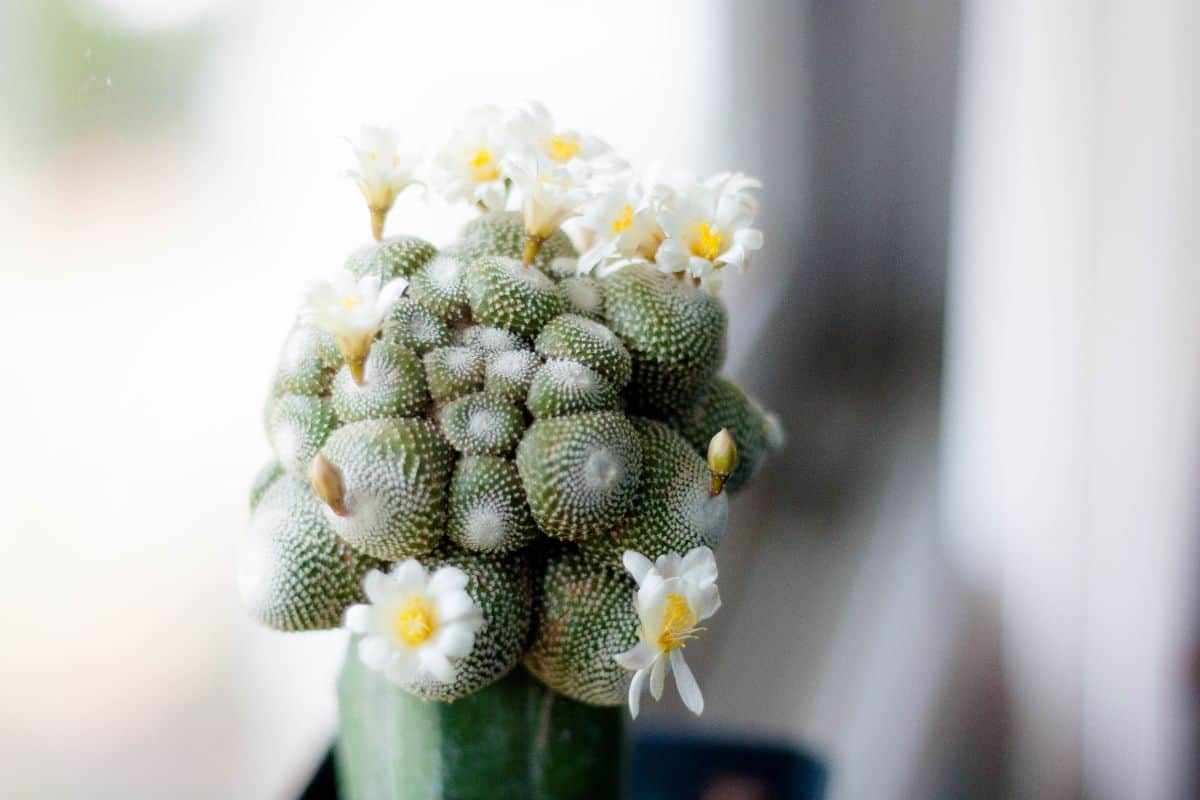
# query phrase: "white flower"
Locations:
[[708, 227], [416, 625], [352, 310], [532, 132], [468, 166], [674, 595], [623, 220], [383, 172], [549, 195]]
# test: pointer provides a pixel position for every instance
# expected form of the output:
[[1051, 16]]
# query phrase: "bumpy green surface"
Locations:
[[297, 426], [503, 234], [580, 472], [452, 372], [440, 286], [508, 295], [723, 405], [584, 616], [293, 573], [674, 511], [393, 386], [482, 424], [564, 386], [398, 256], [510, 373], [583, 295], [491, 431], [307, 363], [488, 511], [674, 331], [588, 342], [396, 474], [416, 327]]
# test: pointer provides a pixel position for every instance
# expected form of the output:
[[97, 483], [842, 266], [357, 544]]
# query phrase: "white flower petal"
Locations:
[[402, 667], [710, 602], [409, 576], [456, 641], [658, 676], [635, 692], [360, 618], [671, 257], [436, 664], [458, 605], [637, 565], [699, 565], [390, 293], [375, 651], [379, 588], [640, 656], [685, 682], [448, 579]]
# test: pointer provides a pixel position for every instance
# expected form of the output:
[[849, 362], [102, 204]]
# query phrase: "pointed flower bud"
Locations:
[[722, 458], [327, 483]]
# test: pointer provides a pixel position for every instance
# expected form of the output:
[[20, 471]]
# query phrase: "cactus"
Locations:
[[509, 432]]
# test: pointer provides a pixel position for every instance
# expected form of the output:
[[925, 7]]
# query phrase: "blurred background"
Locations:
[[972, 572]]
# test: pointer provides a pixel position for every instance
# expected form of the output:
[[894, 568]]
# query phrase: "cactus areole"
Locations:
[[506, 475]]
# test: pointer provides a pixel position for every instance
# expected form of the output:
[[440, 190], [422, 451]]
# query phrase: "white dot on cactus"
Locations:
[[484, 423], [583, 295], [445, 272], [365, 517], [570, 375], [421, 329], [533, 277], [459, 359], [301, 342], [257, 559], [509, 364], [493, 339], [285, 439], [596, 330], [484, 527], [603, 469]]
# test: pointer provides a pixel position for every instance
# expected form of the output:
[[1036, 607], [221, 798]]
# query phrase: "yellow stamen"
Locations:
[[678, 623], [707, 243], [482, 164], [562, 148], [414, 621], [623, 220], [350, 302]]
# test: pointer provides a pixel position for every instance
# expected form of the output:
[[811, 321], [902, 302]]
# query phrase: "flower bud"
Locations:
[[722, 458], [326, 481]]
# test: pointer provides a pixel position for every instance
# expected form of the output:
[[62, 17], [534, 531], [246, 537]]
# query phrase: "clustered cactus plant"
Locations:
[[485, 456]]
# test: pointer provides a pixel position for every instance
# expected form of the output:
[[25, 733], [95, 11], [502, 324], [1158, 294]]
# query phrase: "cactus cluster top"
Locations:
[[516, 448]]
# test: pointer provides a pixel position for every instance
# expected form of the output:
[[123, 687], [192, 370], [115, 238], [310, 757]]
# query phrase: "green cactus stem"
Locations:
[[514, 739]]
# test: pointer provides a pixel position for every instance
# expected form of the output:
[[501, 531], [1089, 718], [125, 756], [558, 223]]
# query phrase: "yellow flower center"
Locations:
[[562, 148], [413, 623], [482, 164], [623, 220], [678, 623], [707, 241], [351, 301]]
